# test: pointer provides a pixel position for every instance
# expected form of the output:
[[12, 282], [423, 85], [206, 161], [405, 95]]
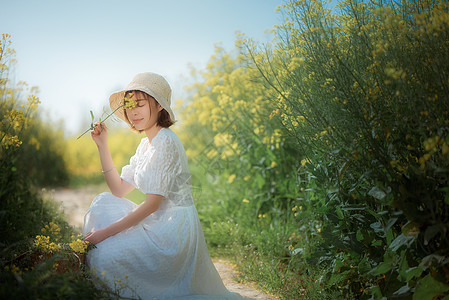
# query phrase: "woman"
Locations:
[[155, 249]]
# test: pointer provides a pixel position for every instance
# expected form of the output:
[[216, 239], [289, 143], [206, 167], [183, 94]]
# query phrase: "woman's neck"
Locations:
[[152, 132]]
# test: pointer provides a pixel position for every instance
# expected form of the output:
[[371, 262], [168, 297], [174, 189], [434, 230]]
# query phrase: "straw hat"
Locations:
[[153, 84]]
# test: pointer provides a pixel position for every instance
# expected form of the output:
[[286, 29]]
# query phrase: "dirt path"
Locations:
[[75, 202]]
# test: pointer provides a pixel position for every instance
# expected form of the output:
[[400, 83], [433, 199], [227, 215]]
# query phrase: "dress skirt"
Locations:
[[163, 257]]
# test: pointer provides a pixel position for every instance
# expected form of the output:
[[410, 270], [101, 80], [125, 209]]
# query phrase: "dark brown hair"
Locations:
[[163, 119]]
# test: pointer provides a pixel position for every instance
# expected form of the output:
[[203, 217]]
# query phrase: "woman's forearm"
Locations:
[[149, 206], [115, 183]]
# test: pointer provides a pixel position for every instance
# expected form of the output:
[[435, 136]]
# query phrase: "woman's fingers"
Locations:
[[98, 128], [87, 235]]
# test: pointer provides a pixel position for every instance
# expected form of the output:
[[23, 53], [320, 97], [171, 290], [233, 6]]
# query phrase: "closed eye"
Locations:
[[140, 102]]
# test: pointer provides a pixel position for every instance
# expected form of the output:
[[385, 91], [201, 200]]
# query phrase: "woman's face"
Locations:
[[144, 115]]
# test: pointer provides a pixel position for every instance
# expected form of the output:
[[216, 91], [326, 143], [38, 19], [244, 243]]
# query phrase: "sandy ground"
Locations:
[[75, 202]]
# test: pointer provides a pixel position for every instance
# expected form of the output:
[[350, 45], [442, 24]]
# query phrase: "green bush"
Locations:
[[30, 158], [326, 153], [364, 91]]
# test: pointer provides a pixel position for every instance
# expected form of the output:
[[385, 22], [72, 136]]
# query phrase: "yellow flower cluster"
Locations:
[[43, 242], [48, 243], [14, 116], [8, 140], [79, 245], [51, 228], [33, 101], [129, 103], [433, 146], [13, 269], [12, 122]]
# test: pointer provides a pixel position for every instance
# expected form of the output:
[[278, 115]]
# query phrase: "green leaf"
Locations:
[[427, 261], [376, 292], [260, 181], [377, 226], [376, 243], [382, 268], [359, 235], [390, 236], [364, 266], [403, 266], [403, 290], [428, 288], [92, 115], [408, 227], [402, 240], [339, 212], [390, 223], [413, 272]]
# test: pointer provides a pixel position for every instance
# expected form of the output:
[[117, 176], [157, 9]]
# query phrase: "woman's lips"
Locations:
[[137, 121]]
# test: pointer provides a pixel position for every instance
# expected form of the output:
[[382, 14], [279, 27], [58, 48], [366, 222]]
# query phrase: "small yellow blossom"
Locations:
[[14, 269], [245, 200], [79, 246], [231, 178], [43, 242], [129, 103], [273, 164], [305, 161], [295, 208], [291, 248]]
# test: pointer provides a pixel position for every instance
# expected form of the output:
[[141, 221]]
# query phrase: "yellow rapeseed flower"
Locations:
[[79, 246], [128, 102], [305, 161], [231, 178]]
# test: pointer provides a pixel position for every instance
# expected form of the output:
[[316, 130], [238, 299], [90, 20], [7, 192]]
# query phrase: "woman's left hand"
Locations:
[[96, 236]]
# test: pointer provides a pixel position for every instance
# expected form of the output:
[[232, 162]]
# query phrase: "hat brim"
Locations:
[[117, 98]]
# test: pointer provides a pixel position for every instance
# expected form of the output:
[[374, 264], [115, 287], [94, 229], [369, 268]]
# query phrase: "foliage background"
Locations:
[[327, 150]]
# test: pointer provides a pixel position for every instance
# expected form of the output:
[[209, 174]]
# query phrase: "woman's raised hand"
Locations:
[[99, 134]]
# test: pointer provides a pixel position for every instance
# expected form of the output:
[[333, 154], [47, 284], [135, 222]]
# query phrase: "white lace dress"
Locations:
[[165, 256]]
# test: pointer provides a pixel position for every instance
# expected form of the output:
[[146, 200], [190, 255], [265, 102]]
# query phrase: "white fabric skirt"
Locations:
[[164, 257]]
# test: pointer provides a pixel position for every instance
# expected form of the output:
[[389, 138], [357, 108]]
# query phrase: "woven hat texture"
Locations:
[[153, 84]]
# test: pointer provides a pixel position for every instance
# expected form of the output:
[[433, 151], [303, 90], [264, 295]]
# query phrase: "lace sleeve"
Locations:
[[129, 170], [159, 172]]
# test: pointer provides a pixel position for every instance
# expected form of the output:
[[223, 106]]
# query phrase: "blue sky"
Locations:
[[79, 52]]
